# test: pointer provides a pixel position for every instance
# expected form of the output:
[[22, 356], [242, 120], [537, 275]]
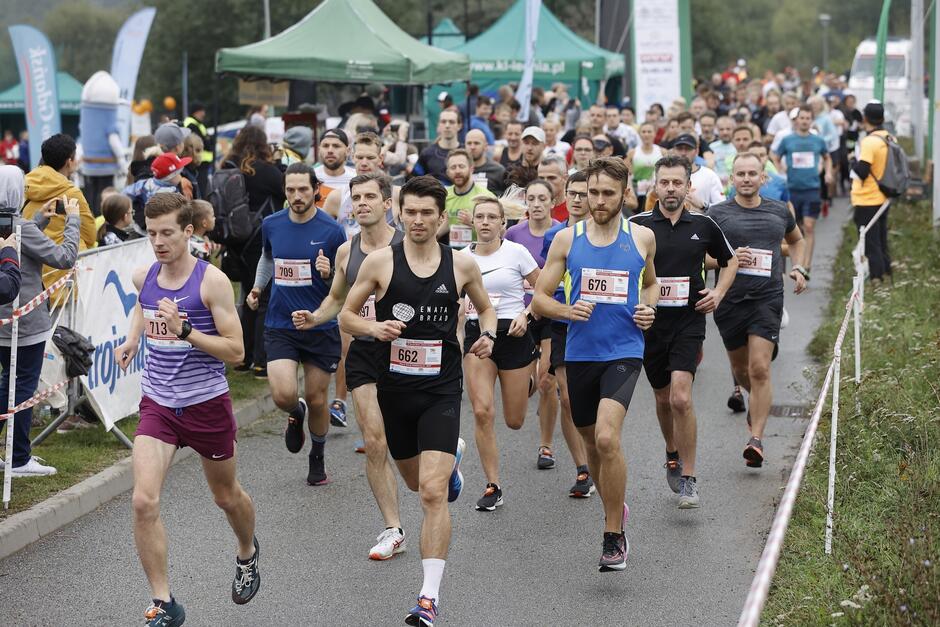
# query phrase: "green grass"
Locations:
[[883, 570], [82, 453]]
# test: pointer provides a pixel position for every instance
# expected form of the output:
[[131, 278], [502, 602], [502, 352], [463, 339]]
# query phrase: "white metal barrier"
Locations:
[[760, 586]]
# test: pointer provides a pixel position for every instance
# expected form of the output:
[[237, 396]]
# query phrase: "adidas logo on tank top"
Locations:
[[441, 289]]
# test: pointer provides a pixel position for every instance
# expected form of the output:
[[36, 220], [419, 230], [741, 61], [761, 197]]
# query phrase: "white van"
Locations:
[[897, 99]]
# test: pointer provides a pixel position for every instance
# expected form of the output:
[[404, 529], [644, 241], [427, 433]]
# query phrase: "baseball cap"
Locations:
[[535, 133], [441, 97], [338, 133], [874, 112], [168, 164], [170, 135], [298, 139], [794, 113], [685, 140]]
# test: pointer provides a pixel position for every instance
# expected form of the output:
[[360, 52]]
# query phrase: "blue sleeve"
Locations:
[[823, 147], [9, 275], [782, 148], [547, 242], [266, 239], [338, 241]]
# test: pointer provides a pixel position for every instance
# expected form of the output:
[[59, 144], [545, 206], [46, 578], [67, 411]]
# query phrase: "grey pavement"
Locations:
[[532, 562]]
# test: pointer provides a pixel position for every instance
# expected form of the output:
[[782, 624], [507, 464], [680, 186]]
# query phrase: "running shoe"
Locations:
[[247, 580], [295, 435], [736, 401], [491, 499], [243, 367], [673, 474], [688, 495], [33, 468], [546, 458], [583, 486], [390, 543], [422, 614], [317, 473], [259, 372], [338, 413], [456, 477], [614, 553], [359, 446], [754, 453], [165, 614]]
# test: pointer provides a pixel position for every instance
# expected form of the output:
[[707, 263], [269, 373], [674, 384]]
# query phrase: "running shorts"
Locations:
[[590, 381], [540, 330], [417, 421], [320, 349], [673, 344], [209, 427], [362, 363], [761, 317], [509, 352], [559, 335], [807, 203]]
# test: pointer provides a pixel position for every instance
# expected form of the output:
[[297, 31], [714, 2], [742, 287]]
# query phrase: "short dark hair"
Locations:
[[543, 183], [57, 150], [614, 167], [484, 100], [673, 161], [425, 186], [580, 137], [756, 144], [743, 127], [708, 114], [167, 203], [115, 207], [685, 115], [578, 176], [299, 167], [516, 122], [459, 152], [381, 179], [807, 108]]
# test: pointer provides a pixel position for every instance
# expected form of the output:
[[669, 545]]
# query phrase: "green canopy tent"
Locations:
[[446, 35], [345, 41], [12, 106]]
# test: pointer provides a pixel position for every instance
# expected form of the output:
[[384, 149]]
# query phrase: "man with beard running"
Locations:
[[674, 342], [611, 283], [371, 196], [417, 286], [750, 313], [333, 173], [299, 246]]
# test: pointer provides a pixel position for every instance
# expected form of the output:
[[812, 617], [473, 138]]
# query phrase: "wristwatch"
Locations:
[[187, 329], [802, 271], [488, 334]]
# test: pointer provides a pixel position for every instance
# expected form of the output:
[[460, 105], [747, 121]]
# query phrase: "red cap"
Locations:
[[168, 164]]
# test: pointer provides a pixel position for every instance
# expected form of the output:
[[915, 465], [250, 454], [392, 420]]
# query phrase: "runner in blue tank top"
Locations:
[[186, 311], [611, 284]]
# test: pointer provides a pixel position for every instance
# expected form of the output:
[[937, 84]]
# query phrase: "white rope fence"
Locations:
[[760, 586]]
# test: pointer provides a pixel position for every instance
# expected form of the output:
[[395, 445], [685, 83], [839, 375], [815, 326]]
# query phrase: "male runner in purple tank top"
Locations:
[[186, 310]]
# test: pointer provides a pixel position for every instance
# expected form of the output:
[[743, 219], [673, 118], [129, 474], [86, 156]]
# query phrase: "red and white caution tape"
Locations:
[[37, 300], [36, 399]]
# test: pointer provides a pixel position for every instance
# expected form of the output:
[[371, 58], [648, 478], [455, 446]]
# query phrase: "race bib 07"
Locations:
[[159, 335], [293, 272], [368, 309], [416, 357], [760, 263], [673, 291], [472, 311], [605, 286], [461, 235], [804, 160]]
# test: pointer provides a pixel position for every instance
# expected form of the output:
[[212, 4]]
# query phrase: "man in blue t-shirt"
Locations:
[[803, 156], [774, 186], [299, 247]]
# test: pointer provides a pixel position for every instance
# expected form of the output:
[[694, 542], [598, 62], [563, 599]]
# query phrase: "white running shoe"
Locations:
[[390, 543], [33, 468], [784, 319]]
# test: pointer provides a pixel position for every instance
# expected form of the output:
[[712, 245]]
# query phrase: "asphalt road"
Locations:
[[532, 562]]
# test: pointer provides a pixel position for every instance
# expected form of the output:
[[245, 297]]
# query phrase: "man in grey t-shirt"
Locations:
[[749, 316]]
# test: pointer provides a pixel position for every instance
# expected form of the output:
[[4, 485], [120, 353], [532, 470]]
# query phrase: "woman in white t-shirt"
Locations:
[[505, 265]]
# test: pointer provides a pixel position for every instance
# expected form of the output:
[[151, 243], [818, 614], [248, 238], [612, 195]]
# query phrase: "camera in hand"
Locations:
[[60, 207], [6, 225]]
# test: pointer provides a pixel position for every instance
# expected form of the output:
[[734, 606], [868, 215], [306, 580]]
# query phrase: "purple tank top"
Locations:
[[521, 234], [176, 374]]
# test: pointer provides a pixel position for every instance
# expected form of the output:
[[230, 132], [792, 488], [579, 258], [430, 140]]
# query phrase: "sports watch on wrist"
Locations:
[[488, 334], [187, 329], [802, 271]]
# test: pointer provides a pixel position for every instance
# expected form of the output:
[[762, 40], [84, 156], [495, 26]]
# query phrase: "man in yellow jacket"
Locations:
[[50, 180]]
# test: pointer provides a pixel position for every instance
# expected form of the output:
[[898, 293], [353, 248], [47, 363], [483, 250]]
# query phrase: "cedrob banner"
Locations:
[[35, 60], [533, 9], [661, 53], [125, 63], [106, 300]]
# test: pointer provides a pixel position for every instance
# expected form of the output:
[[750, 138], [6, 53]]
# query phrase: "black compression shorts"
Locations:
[[590, 381], [559, 332], [673, 344], [736, 321], [509, 353], [417, 421], [362, 363]]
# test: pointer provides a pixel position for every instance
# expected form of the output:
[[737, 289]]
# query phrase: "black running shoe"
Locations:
[[491, 499], [754, 453], [736, 401], [614, 554], [165, 614], [294, 435], [546, 458], [247, 578], [317, 473], [583, 486]]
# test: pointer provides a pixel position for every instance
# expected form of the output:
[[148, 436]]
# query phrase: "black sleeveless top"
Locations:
[[356, 257], [508, 163], [426, 356]]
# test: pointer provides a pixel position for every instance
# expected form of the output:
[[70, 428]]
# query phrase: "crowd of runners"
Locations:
[[558, 267]]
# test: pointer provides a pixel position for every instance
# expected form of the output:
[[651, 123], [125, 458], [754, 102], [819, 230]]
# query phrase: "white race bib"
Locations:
[[605, 286], [368, 309], [292, 272], [416, 357], [472, 313], [760, 264], [461, 235], [673, 291], [803, 160], [159, 335]]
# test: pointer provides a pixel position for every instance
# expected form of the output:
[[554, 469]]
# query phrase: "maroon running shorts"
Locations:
[[209, 428]]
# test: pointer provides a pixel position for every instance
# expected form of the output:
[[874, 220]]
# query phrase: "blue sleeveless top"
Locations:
[[610, 277], [176, 374]]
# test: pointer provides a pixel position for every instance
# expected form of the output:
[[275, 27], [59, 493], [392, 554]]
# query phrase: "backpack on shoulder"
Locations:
[[897, 175], [229, 198]]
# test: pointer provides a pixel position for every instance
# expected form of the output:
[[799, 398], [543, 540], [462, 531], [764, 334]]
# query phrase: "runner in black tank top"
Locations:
[[371, 197], [417, 284]]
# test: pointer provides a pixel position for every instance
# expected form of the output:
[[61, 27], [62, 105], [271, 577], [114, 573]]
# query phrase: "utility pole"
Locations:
[[935, 139], [917, 77], [267, 18], [825, 19]]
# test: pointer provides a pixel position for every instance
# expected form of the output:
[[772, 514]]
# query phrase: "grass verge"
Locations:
[[82, 453], [883, 568]]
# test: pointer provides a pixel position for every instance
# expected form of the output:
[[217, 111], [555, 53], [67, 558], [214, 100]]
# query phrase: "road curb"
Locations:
[[23, 528]]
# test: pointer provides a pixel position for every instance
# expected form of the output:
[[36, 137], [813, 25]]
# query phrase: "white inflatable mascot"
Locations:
[[103, 156]]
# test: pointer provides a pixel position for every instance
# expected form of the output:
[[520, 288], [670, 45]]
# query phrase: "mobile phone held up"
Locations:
[[60, 207], [6, 225]]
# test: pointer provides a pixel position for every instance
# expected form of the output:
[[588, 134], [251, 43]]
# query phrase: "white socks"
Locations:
[[433, 571]]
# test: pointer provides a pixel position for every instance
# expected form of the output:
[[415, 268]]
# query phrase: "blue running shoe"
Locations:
[[165, 614], [456, 477], [422, 614], [338, 413]]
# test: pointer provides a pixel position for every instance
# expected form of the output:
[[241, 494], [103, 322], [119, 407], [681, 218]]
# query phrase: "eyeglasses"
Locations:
[[576, 195]]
